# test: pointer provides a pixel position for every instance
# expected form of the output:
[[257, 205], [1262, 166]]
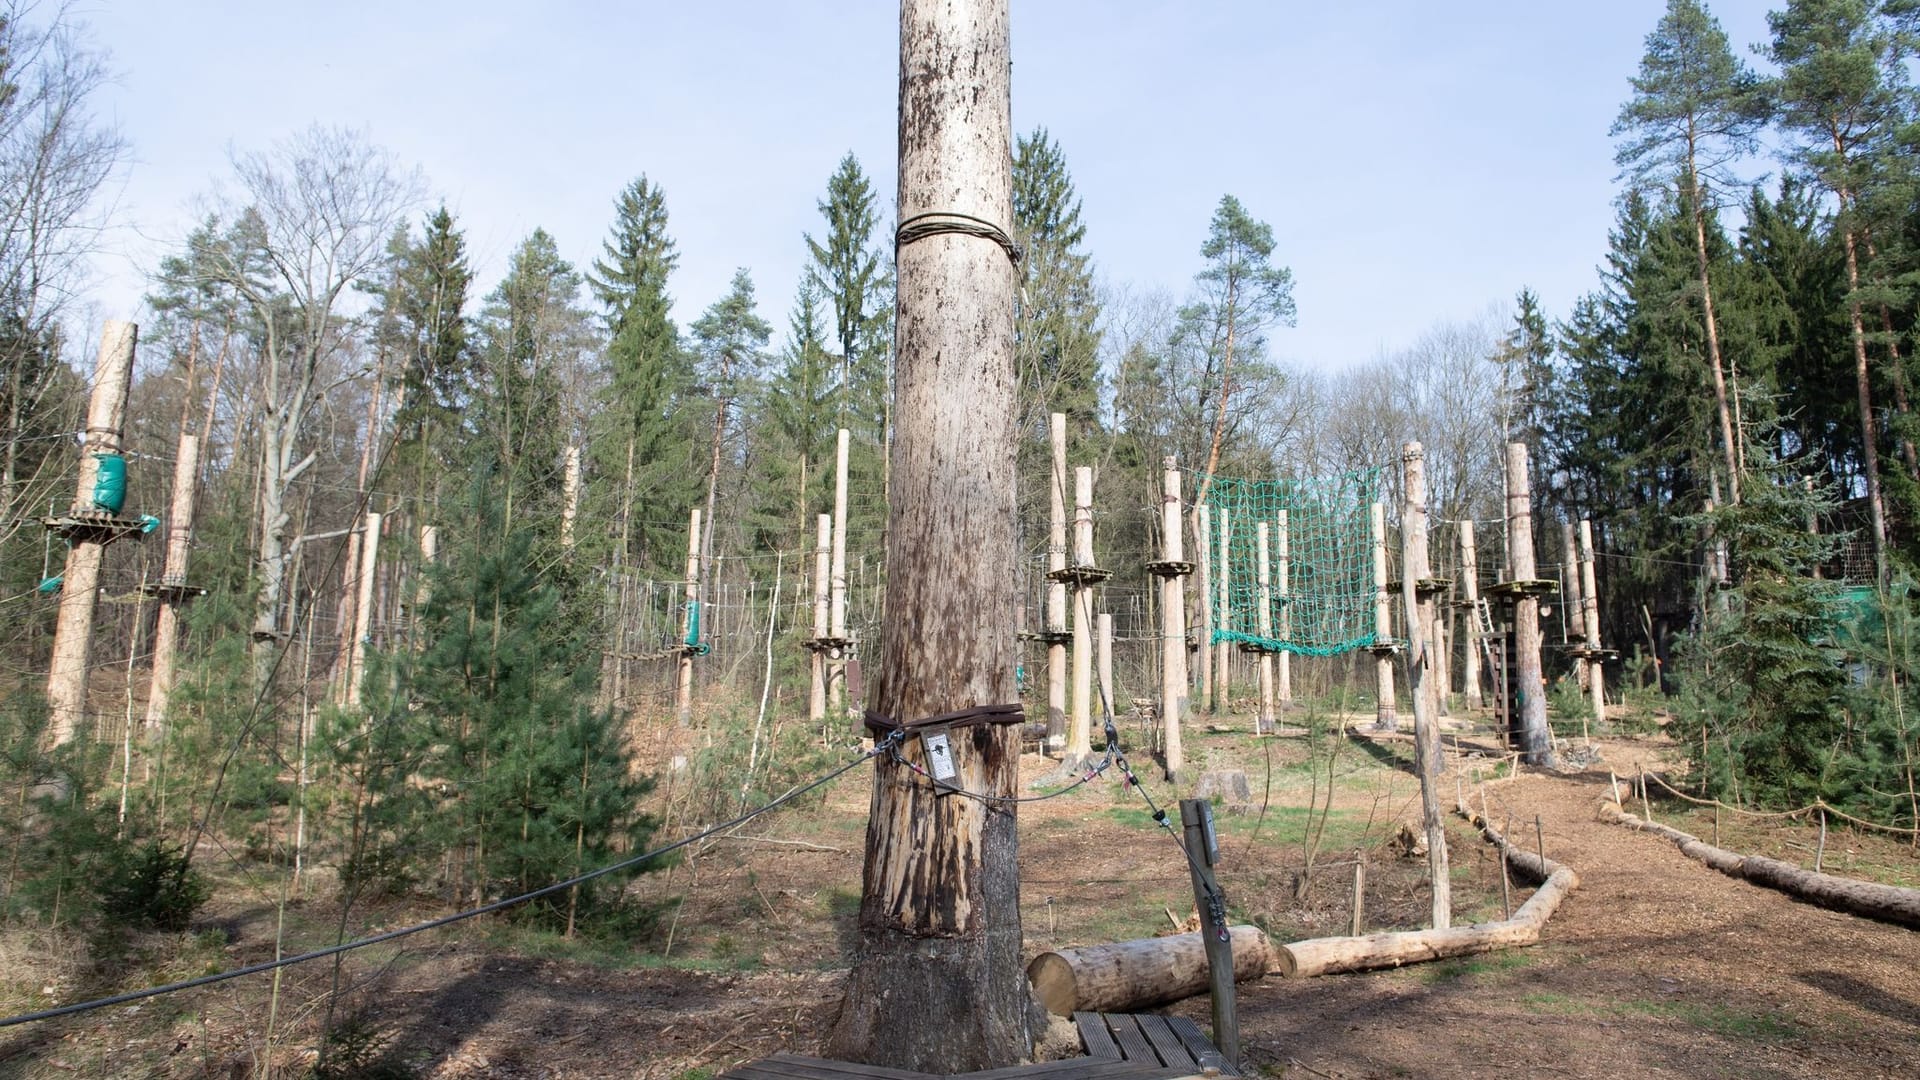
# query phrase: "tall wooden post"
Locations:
[[938, 986], [1572, 630], [1415, 572], [1222, 616], [822, 618], [690, 625], [1172, 572], [1103, 662], [570, 497], [1203, 596], [1056, 627], [1529, 691], [363, 607], [1470, 574], [1080, 719], [1590, 622], [1283, 580], [73, 632], [1263, 625], [1201, 842], [1386, 716], [837, 610], [173, 591]]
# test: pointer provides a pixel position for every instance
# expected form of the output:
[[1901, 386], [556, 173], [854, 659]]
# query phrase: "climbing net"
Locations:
[[1319, 562]]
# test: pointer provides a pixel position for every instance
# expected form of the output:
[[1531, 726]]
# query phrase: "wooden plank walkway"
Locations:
[[1120, 1046]]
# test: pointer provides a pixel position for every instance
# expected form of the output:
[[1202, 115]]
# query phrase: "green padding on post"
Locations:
[[110, 485]]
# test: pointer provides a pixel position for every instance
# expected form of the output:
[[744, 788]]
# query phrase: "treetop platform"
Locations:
[[1523, 588], [1079, 575]]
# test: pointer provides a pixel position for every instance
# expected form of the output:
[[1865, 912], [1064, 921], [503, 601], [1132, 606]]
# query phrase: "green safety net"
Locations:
[[1326, 606]]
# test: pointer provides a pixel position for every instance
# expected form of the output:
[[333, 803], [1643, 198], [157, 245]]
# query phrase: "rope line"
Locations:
[[1815, 805], [445, 920], [937, 222]]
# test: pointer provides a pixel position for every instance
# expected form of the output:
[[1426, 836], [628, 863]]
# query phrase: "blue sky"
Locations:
[[1418, 161]]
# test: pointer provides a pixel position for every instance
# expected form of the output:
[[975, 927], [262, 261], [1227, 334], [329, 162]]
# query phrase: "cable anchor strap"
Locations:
[[939, 222], [1013, 713]]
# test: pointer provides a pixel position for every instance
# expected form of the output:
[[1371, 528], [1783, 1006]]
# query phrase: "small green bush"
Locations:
[[152, 887]]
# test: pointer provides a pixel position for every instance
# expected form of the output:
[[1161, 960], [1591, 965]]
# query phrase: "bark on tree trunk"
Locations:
[[938, 986], [166, 633], [73, 631], [1470, 574], [1536, 740], [1057, 589], [1426, 722], [1173, 623]]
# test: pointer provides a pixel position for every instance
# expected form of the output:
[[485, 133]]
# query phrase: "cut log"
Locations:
[[1327, 956], [1132, 975], [1889, 903]]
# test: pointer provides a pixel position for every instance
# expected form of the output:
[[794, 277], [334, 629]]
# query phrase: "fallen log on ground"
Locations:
[[1131, 975], [1327, 956], [1889, 903]]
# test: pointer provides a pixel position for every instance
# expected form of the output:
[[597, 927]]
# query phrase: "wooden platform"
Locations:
[[1119, 1046]]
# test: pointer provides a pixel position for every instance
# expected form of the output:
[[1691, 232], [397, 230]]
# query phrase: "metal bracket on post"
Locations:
[[937, 747], [1203, 848]]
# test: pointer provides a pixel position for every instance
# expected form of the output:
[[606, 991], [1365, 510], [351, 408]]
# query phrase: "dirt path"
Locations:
[[1656, 966]]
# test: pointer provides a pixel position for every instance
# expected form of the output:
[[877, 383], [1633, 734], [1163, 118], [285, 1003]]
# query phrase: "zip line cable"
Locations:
[[432, 924]]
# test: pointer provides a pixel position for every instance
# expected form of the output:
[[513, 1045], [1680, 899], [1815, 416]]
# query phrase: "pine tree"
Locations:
[[729, 340], [1242, 295], [1695, 110], [1842, 94], [542, 786]]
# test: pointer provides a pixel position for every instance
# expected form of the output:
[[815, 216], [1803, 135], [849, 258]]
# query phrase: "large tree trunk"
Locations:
[[1530, 731], [73, 631], [938, 986], [1414, 572], [1728, 436], [1863, 387]]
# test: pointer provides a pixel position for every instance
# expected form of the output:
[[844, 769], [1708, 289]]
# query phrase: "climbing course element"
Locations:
[[1324, 605]]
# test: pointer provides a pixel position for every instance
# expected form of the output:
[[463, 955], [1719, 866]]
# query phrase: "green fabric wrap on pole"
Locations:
[[110, 484]]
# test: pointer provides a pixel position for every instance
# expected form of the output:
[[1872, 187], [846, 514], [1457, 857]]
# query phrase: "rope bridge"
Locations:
[[1320, 562]]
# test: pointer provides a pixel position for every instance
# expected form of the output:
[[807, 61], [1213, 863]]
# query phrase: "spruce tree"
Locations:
[[730, 339], [421, 318], [794, 420], [645, 451], [1056, 312]]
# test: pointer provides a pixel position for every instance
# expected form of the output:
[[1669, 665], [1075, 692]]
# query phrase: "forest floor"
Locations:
[[1655, 966]]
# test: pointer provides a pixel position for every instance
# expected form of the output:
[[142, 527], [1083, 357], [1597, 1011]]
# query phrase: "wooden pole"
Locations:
[[1173, 623], [1057, 589], [73, 631], [1283, 580], [1470, 574], [690, 625], [570, 498], [822, 618], [1196, 815], [1386, 717], [1571, 629], [1359, 896], [173, 582], [1223, 617], [363, 607], [1414, 570], [1203, 548], [1103, 662], [1535, 740], [1079, 720], [1263, 625], [1590, 620], [938, 984], [837, 613]]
